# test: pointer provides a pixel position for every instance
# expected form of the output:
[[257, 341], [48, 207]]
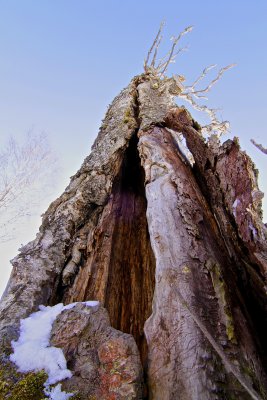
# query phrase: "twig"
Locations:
[[155, 45], [212, 83], [171, 52], [156, 52], [259, 146], [169, 58]]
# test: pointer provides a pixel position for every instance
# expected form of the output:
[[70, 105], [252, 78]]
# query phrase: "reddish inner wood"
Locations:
[[120, 268]]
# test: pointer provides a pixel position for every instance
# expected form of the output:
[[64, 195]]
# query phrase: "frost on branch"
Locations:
[[191, 93]]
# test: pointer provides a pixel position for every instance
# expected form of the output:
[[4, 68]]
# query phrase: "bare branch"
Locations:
[[259, 146], [212, 83], [190, 92], [154, 47], [171, 52], [169, 58], [156, 52], [217, 126], [163, 61], [202, 76]]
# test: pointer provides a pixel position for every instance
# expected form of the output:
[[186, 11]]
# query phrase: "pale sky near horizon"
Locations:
[[62, 63]]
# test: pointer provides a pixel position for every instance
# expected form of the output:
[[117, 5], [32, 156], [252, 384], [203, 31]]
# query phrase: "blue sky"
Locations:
[[62, 63]]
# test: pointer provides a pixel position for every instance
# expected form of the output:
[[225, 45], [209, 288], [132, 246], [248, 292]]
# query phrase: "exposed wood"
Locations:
[[119, 266], [191, 258], [174, 250]]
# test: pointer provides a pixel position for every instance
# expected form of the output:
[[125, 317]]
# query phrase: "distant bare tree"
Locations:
[[26, 169]]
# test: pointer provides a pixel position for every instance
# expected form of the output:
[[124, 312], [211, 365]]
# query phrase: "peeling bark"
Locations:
[[176, 253], [105, 362], [193, 268]]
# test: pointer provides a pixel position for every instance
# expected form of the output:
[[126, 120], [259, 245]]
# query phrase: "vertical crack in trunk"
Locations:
[[119, 269], [130, 285]]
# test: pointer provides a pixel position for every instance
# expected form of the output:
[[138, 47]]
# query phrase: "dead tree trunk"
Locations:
[[175, 251]]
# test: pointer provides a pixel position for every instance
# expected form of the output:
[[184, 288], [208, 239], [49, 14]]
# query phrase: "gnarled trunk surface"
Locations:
[[176, 253]]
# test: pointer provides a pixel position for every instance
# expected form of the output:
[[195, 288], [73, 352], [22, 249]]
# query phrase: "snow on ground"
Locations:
[[32, 351], [55, 393]]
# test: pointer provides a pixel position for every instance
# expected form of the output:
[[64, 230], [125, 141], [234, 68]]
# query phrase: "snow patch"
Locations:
[[32, 351], [55, 393]]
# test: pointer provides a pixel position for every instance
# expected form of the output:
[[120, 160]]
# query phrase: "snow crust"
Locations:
[[32, 351]]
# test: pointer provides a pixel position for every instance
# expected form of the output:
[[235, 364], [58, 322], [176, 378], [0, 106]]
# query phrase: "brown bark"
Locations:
[[176, 253], [198, 297], [119, 266]]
